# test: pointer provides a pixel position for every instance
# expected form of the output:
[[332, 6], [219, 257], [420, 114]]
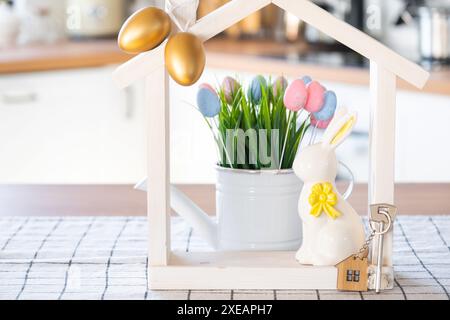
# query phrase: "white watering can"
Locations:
[[256, 210]]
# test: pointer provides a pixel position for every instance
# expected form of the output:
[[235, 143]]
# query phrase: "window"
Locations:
[[353, 275], [349, 275]]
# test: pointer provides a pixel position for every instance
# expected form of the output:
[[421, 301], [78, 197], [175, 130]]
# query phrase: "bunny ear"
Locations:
[[339, 129], [331, 129]]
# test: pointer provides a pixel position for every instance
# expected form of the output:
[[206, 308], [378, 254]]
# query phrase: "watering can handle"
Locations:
[[349, 190]]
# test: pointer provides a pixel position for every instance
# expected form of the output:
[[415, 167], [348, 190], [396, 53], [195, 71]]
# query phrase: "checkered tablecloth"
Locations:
[[105, 258]]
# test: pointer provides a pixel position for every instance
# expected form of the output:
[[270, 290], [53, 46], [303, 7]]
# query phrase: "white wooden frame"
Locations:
[[260, 270]]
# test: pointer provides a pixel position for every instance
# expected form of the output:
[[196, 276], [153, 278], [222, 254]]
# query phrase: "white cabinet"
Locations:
[[70, 127], [423, 137]]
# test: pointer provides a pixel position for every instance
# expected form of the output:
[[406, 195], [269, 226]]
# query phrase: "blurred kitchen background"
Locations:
[[63, 122]]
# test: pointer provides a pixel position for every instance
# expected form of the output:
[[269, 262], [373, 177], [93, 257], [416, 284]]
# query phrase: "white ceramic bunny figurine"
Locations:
[[332, 229]]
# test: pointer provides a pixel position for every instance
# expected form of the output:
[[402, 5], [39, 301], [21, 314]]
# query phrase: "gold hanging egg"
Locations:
[[185, 58], [144, 30]]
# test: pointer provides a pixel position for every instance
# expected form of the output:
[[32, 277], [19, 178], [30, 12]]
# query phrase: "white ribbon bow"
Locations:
[[182, 12]]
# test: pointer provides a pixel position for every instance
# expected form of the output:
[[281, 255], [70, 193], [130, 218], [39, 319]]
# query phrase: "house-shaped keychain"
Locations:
[[352, 274]]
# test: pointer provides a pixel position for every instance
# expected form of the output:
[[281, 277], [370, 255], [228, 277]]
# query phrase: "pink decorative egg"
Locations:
[[320, 124], [316, 97], [230, 86], [296, 95]]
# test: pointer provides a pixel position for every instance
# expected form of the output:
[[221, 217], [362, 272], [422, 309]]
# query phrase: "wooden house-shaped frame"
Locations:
[[260, 270]]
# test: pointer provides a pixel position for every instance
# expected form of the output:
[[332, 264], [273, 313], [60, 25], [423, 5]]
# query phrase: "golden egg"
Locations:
[[144, 30], [185, 58]]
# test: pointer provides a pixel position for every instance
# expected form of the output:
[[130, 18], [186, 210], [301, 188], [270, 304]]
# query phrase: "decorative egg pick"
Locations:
[[208, 101], [294, 99], [279, 86], [296, 95], [230, 86], [329, 107], [322, 118], [185, 58], [316, 98], [144, 30], [255, 89]]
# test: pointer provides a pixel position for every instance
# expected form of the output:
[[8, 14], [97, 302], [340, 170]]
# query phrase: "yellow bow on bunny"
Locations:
[[323, 198]]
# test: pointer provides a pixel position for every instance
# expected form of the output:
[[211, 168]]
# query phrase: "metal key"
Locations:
[[383, 215]]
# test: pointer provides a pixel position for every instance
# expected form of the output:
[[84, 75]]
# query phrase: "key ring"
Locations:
[[389, 224]]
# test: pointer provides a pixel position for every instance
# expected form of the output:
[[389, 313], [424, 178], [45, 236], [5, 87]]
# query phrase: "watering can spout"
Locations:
[[196, 217]]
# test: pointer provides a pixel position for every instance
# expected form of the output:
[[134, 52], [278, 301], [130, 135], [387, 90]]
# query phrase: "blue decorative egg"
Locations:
[[208, 102], [254, 91], [329, 107], [307, 80]]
